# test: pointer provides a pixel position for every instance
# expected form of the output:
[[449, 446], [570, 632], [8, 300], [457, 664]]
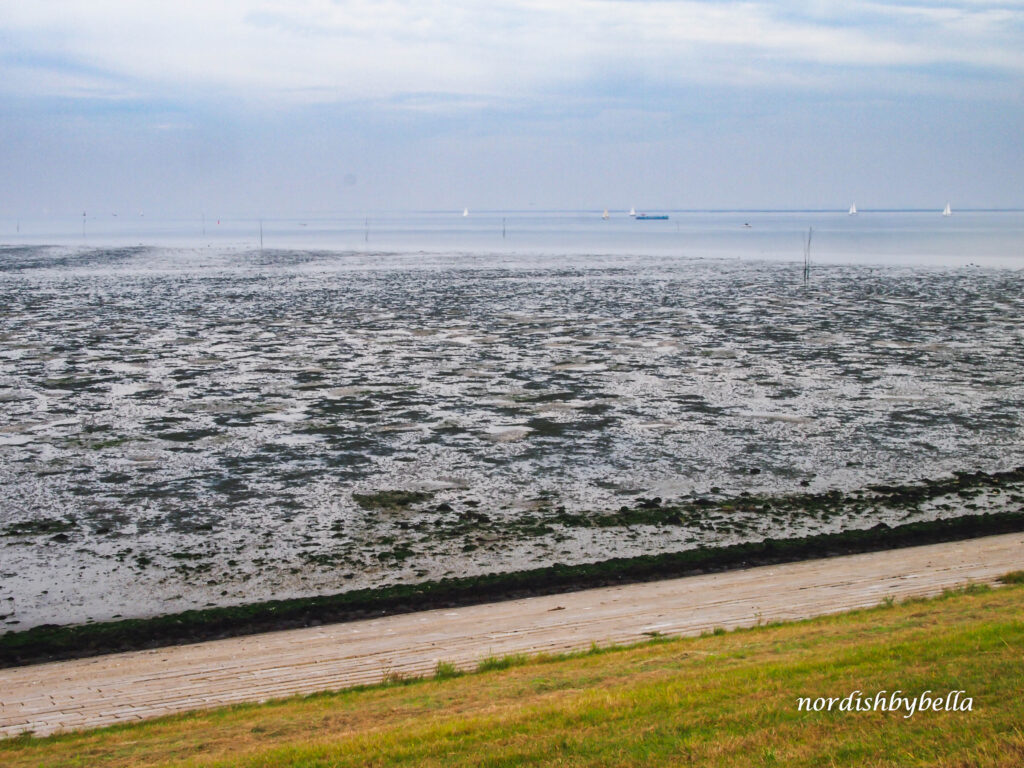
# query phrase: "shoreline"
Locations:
[[55, 642]]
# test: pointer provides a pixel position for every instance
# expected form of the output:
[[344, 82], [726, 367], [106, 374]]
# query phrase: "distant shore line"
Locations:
[[52, 642]]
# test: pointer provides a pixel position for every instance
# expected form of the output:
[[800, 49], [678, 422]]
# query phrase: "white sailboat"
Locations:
[[947, 211], [465, 211], [605, 214], [853, 209], [632, 211]]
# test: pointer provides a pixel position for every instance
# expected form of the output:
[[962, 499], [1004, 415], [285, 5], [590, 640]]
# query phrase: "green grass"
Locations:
[[445, 670], [492, 663], [717, 700]]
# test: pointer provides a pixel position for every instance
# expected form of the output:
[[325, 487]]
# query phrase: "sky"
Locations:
[[289, 107]]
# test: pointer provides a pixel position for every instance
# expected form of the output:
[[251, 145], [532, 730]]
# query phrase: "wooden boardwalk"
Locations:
[[73, 695]]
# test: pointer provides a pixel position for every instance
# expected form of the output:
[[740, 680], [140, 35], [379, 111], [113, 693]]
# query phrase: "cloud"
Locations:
[[270, 105], [305, 51]]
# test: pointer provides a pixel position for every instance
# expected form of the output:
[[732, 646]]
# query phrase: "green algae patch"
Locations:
[[391, 500], [39, 527]]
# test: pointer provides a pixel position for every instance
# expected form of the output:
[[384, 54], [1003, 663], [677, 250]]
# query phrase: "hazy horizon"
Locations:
[[211, 216]]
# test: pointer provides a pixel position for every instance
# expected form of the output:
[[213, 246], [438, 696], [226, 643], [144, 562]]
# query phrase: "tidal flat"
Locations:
[[184, 428]]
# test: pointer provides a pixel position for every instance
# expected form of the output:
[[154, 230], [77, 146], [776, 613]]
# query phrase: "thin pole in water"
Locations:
[[807, 255], [366, 231], [83, 225], [502, 227], [261, 234]]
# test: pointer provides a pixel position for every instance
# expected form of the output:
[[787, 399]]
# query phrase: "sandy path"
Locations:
[[78, 694]]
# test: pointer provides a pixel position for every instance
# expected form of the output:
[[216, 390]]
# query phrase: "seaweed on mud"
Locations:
[[397, 554], [39, 527], [239, 418], [325, 559], [552, 396], [543, 427], [697, 404], [187, 374], [234, 487], [391, 500], [161, 489], [339, 406], [823, 506], [187, 555], [345, 461], [79, 383], [186, 435]]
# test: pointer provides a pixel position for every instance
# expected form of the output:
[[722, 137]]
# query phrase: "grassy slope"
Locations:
[[726, 700]]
